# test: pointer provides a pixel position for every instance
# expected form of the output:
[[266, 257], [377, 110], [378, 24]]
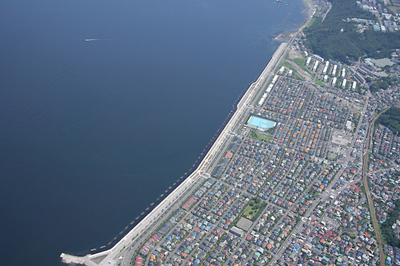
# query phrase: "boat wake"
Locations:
[[94, 40]]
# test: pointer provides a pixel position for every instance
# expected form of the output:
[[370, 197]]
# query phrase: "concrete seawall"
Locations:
[[201, 171]]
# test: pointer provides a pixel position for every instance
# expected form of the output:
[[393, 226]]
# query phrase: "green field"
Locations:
[[254, 209], [311, 22], [319, 82], [301, 63], [295, 74], [254, 134]]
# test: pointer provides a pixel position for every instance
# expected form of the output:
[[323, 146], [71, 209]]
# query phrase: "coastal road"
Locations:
[[139, 242], [111, 255]]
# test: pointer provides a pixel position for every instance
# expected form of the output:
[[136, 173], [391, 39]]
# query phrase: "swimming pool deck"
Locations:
[[260, 123]]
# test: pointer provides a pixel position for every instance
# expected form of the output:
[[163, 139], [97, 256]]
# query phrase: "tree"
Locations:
[[329, 41]]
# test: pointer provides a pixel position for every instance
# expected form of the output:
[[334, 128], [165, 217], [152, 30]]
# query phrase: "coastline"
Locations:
[[307, 12], [199, 174], [192, 177], [169, 190], [173, 201], [308, 7]]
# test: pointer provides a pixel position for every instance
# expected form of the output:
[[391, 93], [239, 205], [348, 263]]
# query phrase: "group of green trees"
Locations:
[[382, 83], [337, 39], [256, 206], [391, 119], [386, 227]]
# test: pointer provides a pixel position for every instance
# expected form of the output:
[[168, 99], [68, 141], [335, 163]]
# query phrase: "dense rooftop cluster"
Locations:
[[278, 196], [293, 194], [385, 21]]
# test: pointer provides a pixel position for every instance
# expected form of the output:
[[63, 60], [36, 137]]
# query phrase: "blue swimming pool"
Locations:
[[260, 123]]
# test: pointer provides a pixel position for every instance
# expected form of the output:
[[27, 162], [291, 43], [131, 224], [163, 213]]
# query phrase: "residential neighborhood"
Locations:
[[308, 176], [293, 194]]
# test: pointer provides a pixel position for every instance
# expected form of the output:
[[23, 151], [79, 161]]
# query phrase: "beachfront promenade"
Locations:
[[204, 169]]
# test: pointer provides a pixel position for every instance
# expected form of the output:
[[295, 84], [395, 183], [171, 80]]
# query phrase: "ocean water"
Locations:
[[92, 132]]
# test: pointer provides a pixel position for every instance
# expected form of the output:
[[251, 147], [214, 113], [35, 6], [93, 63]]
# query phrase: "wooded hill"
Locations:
[[329, 41], [391, 119]]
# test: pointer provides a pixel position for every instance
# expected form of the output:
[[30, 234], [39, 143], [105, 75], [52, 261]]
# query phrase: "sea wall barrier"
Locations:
[[198, 169], [171, 188]]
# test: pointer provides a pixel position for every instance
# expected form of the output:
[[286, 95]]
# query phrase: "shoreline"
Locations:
[[286, 35], [199, 174], [193, 176], [171, 189], [308, 9]]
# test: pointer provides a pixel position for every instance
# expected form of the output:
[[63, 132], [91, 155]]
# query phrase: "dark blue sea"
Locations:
[[93, 131]]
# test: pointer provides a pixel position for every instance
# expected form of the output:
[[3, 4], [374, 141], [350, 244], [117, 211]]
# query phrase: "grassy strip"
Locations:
[[311, 22], [258, 136], [302, 63], [295, 74], [319, 82]]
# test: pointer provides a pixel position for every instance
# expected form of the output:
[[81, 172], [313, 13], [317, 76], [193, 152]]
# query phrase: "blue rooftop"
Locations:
[[260, 123]]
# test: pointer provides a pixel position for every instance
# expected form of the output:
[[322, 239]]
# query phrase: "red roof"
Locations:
[[229, 154]]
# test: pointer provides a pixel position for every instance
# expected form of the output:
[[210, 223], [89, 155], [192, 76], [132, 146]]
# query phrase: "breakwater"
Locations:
[[170, 189], [201, 172], [283, 21]]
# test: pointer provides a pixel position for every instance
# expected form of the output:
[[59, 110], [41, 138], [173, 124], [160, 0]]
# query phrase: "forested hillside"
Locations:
[[329, 41], [386, 227], [391, 119]]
